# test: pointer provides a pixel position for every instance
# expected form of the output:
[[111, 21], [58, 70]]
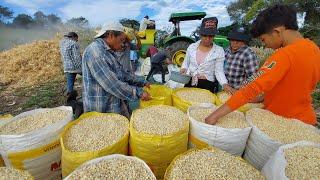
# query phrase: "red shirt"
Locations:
[[152, 51]]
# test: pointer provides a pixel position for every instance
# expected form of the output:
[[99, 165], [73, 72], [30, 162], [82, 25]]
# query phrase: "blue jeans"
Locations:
[[71, 77]]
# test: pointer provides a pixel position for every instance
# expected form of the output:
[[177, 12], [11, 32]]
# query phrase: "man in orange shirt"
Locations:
[[288, 77]]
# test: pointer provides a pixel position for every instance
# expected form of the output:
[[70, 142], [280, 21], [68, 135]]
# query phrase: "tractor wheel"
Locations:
[[178, 51]]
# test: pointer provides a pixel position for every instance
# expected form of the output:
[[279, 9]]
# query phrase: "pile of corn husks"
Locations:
[[31, 64], [262, 53]]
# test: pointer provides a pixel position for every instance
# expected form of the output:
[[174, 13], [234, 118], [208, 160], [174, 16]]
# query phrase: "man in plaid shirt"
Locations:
[[106, 84], [241, 61], [71, 58]]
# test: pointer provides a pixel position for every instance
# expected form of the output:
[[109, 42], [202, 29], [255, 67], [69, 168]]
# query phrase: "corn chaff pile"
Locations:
[[210, 164], [31, 64], [16, 174]]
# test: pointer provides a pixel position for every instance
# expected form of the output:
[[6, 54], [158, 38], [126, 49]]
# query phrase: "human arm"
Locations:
[[271, 73]]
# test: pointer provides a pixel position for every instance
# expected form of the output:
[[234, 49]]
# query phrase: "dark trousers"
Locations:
[[71, 77], [156, 67], [205, 84]]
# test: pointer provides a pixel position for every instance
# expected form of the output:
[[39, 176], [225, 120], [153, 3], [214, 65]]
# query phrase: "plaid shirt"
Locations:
[[240, 65], [106, 84], [70, 53]]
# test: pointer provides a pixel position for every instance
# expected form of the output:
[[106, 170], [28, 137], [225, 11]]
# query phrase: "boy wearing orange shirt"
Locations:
[[288, 77]]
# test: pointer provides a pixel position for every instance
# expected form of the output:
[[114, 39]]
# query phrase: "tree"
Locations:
[[23, 20], [131, 23], [40, 19], [78, 22], [5, 13], [53, 19]]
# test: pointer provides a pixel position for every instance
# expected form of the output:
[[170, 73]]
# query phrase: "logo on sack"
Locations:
[[270, 65], [210, 24], [56, 166]]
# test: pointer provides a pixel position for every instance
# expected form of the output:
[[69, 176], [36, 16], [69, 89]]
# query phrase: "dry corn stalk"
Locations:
[[282, 129], [210, 164], [96, 133], [33, 122], [27, 65], [14, 174], [159, 120], [114, 168], [196, 96], [303, 163], [233, 120]]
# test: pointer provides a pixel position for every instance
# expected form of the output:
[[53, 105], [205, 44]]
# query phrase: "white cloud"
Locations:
[[101, 11]]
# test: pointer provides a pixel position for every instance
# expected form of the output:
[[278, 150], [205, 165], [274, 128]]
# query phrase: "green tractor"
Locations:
[[179, 43]]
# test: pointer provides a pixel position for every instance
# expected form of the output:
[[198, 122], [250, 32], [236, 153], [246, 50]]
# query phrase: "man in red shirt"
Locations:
[[288, 77], [152, 50]]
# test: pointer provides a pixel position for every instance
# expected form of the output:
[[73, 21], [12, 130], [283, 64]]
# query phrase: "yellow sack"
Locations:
[[72, 160], [183, 104], [5, 116], [221, 100], [157, 151], [161, 95]]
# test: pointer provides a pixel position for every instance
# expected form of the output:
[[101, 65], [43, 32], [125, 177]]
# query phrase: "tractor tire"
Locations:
[[178, 46]]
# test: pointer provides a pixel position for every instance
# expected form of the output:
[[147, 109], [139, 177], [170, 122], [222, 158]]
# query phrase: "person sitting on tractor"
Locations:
[[144, 23], [241, 61], [204, 60], [157, 62]]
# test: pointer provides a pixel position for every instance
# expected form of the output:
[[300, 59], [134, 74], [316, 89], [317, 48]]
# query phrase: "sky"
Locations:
[[99, 12]]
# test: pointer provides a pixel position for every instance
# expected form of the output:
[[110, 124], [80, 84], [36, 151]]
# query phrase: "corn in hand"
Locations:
[[211, 164], [14, 174], [115, 168], [96, 133], [233, 120], [159, 120], [282, 129], [303, 163], [33, 122]]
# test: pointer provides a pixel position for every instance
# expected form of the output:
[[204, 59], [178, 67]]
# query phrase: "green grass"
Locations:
[[46, 95]]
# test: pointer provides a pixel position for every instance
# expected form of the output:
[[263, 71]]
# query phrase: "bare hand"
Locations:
[[183, 71], [147, 85], [145, 96], [227, 88], [211, 119]]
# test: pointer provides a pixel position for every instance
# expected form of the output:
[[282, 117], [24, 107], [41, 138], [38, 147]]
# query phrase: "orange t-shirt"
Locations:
[[287, 80]]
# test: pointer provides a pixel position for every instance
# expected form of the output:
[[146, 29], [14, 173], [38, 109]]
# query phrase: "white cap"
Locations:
[[110, 27]]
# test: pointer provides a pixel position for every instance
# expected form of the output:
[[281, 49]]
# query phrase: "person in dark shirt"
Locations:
[[157, 62]]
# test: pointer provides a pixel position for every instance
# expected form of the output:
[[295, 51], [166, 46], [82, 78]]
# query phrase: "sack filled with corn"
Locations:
[[161, 95], [270, 131], [223, 98], [114, 166], [30, 141], [157, 135], [14, 174], [230, 133], [91, 136], [183, 98], [4, 118], [210, 163], [297, 161]]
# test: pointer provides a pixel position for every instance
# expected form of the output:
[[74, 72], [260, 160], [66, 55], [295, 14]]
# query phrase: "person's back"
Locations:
[[159, 57], [303, 61], [71, 60]]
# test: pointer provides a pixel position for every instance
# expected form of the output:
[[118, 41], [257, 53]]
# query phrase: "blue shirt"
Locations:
[[106, 84]]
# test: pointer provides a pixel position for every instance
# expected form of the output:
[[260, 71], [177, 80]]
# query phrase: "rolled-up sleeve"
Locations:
[[103, 74]]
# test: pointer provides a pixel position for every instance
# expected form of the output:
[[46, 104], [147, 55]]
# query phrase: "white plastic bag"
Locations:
[[38, 151], [260, 146], [232, 141], [117, 156], [275, 168]]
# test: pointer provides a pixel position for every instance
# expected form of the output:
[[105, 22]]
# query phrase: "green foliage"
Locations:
[[78, 22], [23, 20], [5, 13], [254, 10], [131, 23]]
